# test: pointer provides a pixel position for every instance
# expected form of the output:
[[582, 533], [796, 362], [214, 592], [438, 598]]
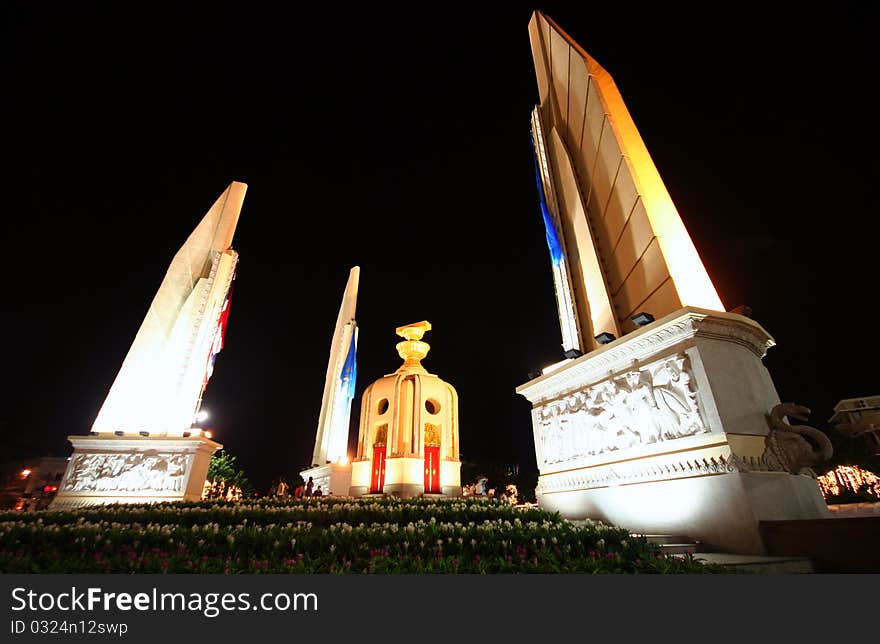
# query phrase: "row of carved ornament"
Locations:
[[654, 404], [767, 462], [622, 476]]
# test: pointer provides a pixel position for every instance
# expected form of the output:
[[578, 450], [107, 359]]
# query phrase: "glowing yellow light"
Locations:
[[207, 434], [25, 473], [848, 477], [343, 460]]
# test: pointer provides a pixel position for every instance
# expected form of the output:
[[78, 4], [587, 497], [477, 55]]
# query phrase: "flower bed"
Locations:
[[330, 535]]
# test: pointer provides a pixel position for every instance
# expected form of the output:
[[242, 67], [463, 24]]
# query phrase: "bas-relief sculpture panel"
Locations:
[[645, 405], [127, 473]]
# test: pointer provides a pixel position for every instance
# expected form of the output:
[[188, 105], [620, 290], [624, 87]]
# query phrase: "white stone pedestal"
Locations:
[[134, 469], [334, 478], [664, 431]]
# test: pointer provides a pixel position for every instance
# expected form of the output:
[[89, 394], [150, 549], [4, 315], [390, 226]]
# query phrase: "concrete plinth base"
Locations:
[[404, 477], [134, 469], [664, 431], [334, 478], [722, 511]]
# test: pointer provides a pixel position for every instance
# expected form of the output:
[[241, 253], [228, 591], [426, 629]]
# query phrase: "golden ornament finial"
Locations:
[[413, 349], [413, 331]]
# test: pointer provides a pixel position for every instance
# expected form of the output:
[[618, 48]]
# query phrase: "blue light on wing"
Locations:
[[556, 252], [348, 377]]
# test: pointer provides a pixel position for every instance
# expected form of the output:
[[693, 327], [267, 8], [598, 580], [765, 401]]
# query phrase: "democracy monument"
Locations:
[[661, 418]]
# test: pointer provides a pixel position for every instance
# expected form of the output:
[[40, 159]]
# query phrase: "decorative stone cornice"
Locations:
[[729, 329], [160, 444], [646, 343]]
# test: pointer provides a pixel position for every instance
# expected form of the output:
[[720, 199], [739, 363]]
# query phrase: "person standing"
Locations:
[[310, 484]]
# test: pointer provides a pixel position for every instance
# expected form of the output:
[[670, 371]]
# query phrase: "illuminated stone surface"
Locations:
[[626, 248], [408, 435], [331, 467], [331, 441], [159, 386], [665, 431], [134, 469], [139, 451]]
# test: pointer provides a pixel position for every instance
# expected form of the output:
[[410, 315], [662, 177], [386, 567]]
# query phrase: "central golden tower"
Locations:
[[408, 440]]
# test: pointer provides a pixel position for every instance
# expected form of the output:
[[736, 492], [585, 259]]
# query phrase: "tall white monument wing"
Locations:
[[159, 386], [331, 441], [625, 244]]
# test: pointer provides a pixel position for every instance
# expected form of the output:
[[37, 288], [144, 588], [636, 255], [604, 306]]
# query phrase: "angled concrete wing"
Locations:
[[159, 386], [626, 246], [331, 441]]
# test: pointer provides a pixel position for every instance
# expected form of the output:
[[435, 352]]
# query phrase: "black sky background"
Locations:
[[398, 140]]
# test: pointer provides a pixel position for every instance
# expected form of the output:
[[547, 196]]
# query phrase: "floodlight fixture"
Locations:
[[641, 319]]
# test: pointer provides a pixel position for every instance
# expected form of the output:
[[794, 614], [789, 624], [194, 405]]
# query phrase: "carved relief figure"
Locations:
[[642, 406], [622, 423], [676, 403]]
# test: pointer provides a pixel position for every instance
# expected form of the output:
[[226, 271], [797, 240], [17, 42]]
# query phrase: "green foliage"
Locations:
[[329, 535], [525, 480], [223, 469]]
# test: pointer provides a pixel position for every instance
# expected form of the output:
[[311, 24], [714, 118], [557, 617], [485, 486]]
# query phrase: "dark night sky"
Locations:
[[398, 140]]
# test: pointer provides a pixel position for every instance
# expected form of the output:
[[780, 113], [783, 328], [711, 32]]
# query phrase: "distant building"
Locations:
[[859, 417], [30, 484]]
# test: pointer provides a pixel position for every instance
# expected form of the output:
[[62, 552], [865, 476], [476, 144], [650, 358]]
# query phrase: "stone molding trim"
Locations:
[[592, 478], [646, 343]]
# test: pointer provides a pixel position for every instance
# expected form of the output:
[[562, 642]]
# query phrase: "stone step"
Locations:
[[661, 539], [765, 565], [679, 548], [677, 545]]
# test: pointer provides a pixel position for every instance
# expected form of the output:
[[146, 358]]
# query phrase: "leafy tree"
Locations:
[[500, 477], [223, 469]]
